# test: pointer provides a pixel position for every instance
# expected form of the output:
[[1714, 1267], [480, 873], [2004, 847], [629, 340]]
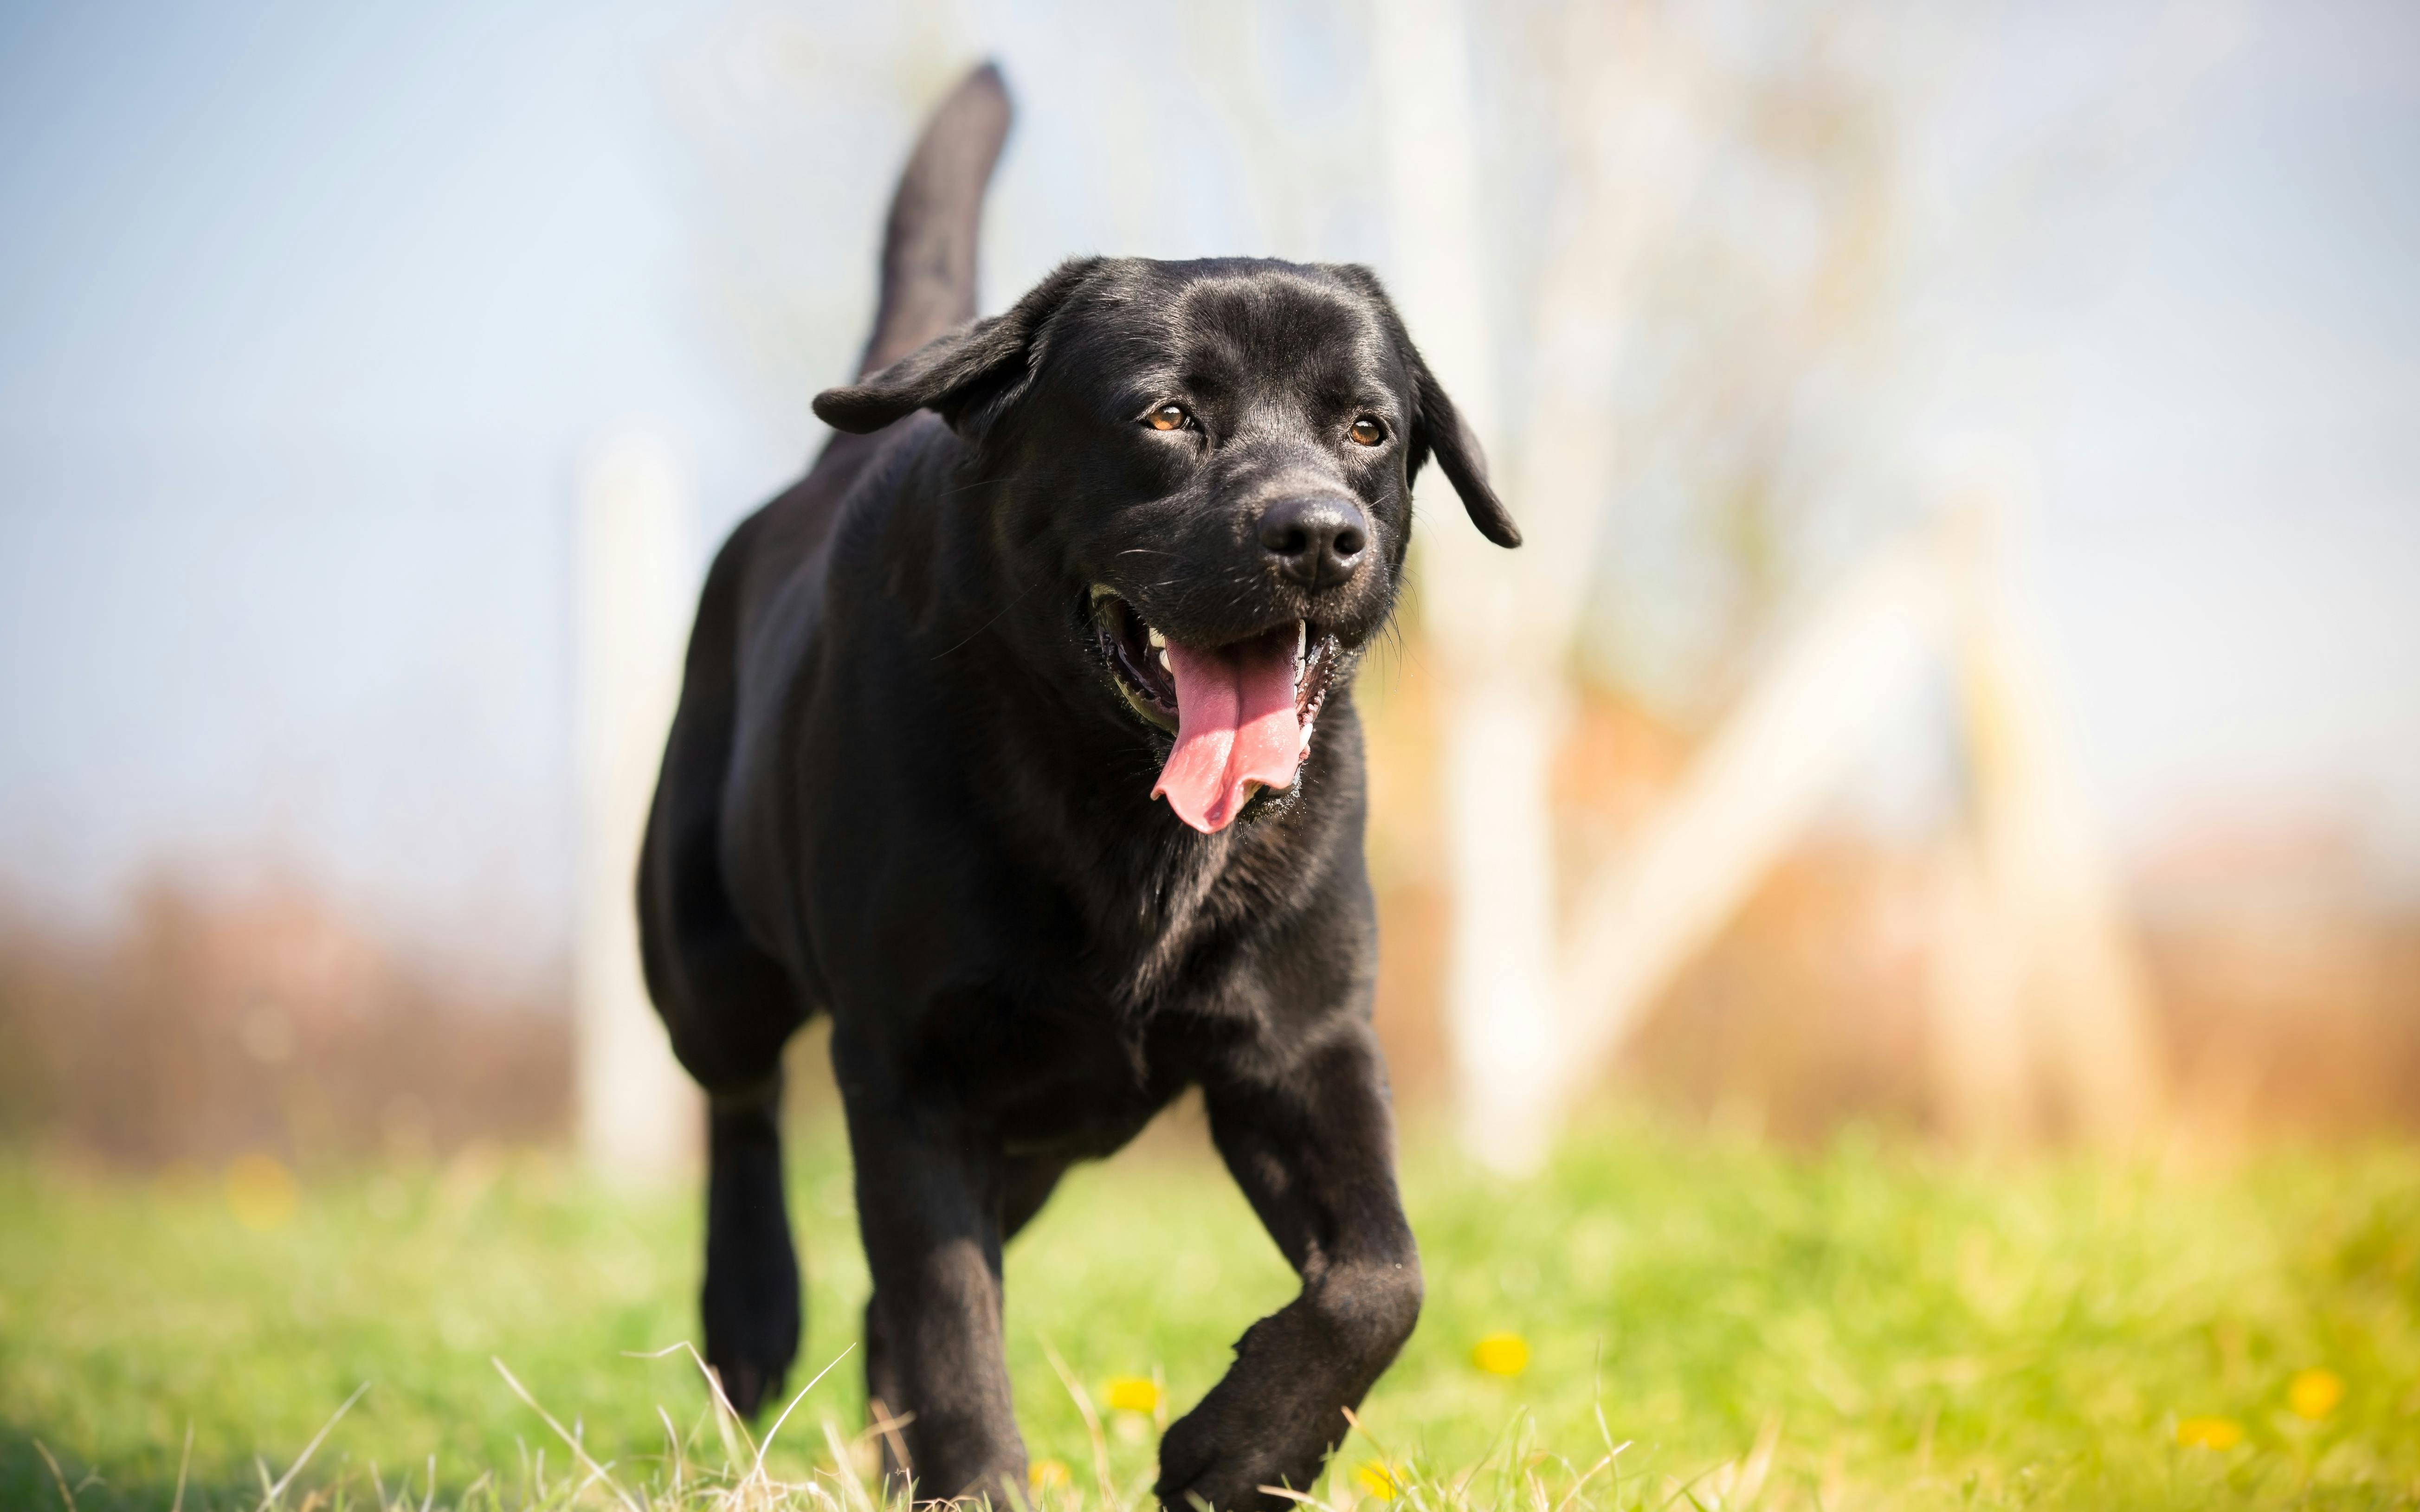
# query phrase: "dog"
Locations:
[[1018, 738]]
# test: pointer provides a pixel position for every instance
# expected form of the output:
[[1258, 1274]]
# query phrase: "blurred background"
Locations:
[[1965, 676]]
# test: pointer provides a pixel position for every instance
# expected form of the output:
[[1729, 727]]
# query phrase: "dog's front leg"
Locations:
[[928, 1203], [1313, 1150]]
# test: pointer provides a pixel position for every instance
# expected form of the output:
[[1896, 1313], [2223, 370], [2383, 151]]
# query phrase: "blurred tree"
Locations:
[[1710, 400]]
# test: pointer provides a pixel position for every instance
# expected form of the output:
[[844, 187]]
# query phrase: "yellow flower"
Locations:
[[1378, 1480], [2313, 1394], [1501, 1354], [2209, 1433], [1133, 1394], [260, 1191], [1046, 1474]]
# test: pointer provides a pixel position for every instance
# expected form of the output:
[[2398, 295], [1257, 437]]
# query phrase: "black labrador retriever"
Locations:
[[1124, 543]]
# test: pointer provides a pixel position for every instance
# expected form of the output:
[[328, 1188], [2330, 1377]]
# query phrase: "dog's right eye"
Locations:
[[1168, 417]]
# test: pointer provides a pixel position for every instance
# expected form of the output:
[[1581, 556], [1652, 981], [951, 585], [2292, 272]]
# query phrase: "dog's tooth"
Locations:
[[1158, 642], [1163, 662], [1301, 640]]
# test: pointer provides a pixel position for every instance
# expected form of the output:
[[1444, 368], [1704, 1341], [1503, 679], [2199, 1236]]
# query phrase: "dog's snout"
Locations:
[[1315, 539]]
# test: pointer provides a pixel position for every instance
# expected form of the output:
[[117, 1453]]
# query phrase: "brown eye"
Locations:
[[1368, 432], [1168, 417]]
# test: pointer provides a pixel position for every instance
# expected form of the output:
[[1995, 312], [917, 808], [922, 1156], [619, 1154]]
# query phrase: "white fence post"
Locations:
[[639, 1116], [1500, 695]]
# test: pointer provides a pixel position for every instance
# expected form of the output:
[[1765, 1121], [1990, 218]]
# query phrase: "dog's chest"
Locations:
[[1073, 1084], [1100, 1037], [1162, 921]]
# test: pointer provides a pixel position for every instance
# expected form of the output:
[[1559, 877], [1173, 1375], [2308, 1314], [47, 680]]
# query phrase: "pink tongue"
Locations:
[[1234, 725]]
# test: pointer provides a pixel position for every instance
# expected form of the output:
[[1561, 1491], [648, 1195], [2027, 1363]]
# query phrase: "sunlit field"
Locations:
[[1659, 1321]]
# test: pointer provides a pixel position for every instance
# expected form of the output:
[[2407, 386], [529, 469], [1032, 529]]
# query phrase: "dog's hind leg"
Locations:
[[750, 1297], [728, 1008]]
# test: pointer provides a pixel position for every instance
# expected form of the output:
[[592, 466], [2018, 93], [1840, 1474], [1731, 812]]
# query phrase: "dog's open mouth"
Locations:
[[1242, 712]]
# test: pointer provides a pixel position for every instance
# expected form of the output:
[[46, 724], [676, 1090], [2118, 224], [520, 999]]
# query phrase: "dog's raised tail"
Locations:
[[928, 248]]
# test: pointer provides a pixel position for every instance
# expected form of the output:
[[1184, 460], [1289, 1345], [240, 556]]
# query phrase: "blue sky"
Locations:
[[2232, 523], [307, 314]]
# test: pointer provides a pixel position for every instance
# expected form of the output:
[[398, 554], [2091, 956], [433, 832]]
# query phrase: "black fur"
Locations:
[[904, 788]]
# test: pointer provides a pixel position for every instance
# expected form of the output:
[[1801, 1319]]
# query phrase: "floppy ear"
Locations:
[[966, 376], [1437, 425], [1439, 429]]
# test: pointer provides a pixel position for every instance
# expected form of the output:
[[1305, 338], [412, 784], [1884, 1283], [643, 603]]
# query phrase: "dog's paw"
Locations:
[[751, 1353], [752, 1327], [749, 1383], [1220, 1455]]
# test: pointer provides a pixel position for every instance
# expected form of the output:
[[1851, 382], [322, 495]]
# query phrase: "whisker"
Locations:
[[968, 639]]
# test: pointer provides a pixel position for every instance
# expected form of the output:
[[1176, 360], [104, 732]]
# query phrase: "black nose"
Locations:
[[1317, 539]]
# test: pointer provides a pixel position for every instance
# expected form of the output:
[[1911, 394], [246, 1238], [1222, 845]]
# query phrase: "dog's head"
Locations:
[[1211, 464]]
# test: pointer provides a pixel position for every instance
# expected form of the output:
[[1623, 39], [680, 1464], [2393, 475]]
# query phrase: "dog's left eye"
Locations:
[[1168, 417], [1367, 431]]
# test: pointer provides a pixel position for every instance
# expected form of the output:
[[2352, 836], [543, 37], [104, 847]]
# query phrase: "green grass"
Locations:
[[1863, 1326]]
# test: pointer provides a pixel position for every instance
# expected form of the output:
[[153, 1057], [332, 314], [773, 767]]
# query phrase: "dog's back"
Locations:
[[695, 952], [698, 956]]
